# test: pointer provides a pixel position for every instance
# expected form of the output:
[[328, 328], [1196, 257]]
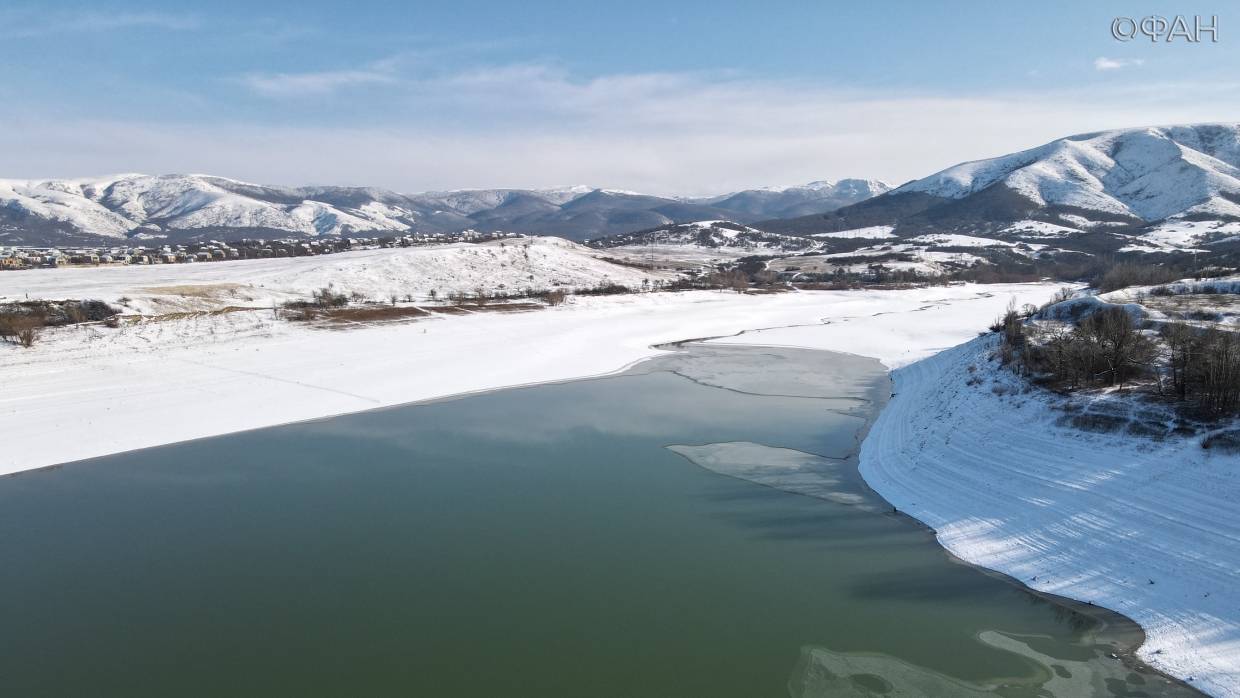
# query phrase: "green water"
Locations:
[[532, 542]]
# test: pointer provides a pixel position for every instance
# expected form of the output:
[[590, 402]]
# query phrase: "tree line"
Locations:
[[1197, 367]]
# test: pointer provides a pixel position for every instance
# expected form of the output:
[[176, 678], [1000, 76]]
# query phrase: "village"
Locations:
[[18, 257]]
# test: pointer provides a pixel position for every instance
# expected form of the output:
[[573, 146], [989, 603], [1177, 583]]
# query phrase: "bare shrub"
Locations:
[[1225, 441], [27, 336], [22, 328], [555, 296], [327, 297]]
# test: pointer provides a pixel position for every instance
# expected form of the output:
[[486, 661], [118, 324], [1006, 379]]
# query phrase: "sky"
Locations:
[[667, 97]]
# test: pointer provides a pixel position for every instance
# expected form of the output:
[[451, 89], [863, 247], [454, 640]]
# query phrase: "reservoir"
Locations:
[[694, 526]]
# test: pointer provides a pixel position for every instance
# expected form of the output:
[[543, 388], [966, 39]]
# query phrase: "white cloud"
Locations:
[[301, 84], [535, 125], [1104, 63]]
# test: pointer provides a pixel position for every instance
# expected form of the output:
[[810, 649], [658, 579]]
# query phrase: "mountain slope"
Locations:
[[184, 207], [1128, 178], [815, 197]]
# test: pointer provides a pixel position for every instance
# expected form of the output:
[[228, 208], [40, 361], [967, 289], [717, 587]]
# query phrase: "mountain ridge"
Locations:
[[187, 207], [1129, 178]]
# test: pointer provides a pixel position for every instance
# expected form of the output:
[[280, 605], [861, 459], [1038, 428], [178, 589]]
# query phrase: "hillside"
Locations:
[[508, 267], [1148, 189], [710, 235]]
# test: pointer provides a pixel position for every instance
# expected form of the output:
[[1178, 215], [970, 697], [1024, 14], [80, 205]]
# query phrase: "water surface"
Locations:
[[593, 538]]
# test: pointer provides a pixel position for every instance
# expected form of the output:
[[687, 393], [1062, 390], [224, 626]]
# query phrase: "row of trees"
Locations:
[[1202, 367], [1199, 367], [1106, 347]]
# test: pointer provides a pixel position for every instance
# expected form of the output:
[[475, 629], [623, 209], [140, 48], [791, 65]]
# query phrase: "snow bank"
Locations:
[[1083, 306], [1150, 529]]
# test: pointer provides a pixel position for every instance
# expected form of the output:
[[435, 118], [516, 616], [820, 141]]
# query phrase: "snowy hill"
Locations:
[[1112, 181], [498, 267], [711, 235], [184, 207]]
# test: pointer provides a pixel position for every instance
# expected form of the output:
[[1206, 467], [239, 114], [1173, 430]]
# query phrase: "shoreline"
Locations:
[[1013, 518], [88, 392], [1126, 632]]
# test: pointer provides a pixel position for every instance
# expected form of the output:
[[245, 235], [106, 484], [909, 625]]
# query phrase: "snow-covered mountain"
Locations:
[[1149, 174], [806, 199], [1107, 181], [180, 207]]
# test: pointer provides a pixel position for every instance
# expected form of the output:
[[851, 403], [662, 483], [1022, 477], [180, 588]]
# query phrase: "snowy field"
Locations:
[[1147, 528]]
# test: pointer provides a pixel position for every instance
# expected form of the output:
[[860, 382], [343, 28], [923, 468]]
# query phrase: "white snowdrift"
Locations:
[[1149, 529]]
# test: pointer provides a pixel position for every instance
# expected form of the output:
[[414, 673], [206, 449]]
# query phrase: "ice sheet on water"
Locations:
[[846, 381], [782, 468]]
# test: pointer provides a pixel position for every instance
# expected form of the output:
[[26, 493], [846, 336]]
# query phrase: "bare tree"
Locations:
[[1119, 344]]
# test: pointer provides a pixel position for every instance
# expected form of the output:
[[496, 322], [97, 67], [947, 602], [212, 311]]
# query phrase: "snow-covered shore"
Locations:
[[1148, 528], [89, 391]]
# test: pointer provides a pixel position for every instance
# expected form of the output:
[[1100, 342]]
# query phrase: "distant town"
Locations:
[[18, 257]]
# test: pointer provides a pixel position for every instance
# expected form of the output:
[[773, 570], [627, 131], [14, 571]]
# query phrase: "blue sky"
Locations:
[[677, 97]]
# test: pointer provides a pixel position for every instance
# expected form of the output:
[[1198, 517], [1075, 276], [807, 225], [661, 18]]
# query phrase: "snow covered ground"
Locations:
[[1147, 528], [873, 232], [501, 266], [678, 256], [89, 390], [921, 260]]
